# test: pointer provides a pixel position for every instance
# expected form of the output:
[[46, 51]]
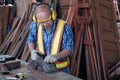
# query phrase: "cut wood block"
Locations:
[[12, 64]]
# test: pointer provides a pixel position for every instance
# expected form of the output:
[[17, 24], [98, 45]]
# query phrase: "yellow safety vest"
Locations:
[[55, 47]]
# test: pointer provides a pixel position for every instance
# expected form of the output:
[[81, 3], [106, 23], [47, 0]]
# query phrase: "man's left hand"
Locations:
[[51, 58]]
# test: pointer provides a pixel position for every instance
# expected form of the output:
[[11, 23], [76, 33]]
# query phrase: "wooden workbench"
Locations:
[[30, 74]]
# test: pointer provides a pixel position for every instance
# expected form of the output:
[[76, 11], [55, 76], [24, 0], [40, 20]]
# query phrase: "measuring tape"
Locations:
[[19, 75]]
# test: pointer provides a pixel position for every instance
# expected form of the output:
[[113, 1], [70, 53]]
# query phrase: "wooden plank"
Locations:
[[5, 20], [8, 36], [112, 25], [63, 6], [112, 58], [105, 23], [66, 2], [30, 74], [1, 33], [25, 53], [1, 24], [22, 6]]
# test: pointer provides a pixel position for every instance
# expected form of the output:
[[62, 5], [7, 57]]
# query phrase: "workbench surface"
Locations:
[[30, 74]]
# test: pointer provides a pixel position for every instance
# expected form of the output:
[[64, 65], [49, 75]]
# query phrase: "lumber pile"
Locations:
[[6, 15], [86, 54], [92, 42], [14, 42]]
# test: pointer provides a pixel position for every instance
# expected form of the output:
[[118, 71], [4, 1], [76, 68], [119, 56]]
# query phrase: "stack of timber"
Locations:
[[6, 15], [96, 41], [86, 56], [105, 20], [14, 42]]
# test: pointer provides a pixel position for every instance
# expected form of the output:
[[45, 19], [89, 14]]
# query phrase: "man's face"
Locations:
[[44, 19]]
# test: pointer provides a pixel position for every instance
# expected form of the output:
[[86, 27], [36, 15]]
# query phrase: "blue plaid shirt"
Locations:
[[67, 38]]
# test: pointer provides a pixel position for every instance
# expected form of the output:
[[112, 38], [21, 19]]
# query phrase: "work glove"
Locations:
[[51, 58], [34, 54]]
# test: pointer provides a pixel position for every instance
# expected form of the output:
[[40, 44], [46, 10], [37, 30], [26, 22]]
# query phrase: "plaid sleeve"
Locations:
[[67, 41], [32, 33]]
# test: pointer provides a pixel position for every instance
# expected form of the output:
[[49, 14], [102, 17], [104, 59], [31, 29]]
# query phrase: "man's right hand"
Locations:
[[34, 54]]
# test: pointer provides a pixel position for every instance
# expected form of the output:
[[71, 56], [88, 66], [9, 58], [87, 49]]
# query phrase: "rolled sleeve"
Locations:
[[32, 33]]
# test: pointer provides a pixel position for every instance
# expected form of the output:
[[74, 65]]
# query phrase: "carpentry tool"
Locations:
[[3, 60], [11, 78], [42, 66], [42, 56], [19, 76], [46, 67], [3, 68]]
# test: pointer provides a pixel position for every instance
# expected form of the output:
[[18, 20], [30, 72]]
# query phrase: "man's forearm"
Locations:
[[63, 54], [31, 46]]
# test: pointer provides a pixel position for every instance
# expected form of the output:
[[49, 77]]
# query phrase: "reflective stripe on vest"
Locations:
[[40, 40], [55, 47], [62, 65], [56, 43]]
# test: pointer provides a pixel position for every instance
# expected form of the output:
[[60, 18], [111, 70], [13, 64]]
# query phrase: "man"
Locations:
[[52, 38]]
